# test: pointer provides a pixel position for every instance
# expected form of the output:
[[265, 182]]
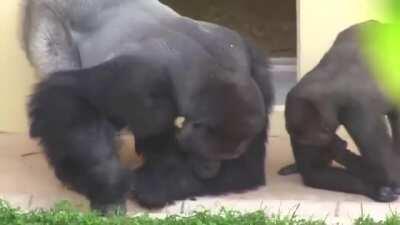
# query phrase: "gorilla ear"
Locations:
[[179, 122]]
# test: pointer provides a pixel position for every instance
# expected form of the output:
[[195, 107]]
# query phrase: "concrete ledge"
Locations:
[[333, 212]]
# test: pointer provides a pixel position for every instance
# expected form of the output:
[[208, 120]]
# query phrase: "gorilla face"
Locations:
[[215, 127], [306, 124], [210, 142]]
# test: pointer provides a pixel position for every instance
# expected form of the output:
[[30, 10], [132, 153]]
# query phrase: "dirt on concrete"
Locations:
[[271, 23]]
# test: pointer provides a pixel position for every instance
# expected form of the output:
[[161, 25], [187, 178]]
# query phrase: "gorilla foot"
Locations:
[[288, 170], [112, 209], [384, 194], [150, 200]]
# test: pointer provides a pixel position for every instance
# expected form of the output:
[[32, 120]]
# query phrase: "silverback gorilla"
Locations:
[[340, 90], [110, 64]]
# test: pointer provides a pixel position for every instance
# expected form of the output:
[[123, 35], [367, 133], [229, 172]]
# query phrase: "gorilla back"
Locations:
[[64, 35], [203, 60]]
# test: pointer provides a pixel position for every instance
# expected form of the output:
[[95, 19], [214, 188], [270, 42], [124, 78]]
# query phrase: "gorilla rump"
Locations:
[[138, 64], [341, 90]]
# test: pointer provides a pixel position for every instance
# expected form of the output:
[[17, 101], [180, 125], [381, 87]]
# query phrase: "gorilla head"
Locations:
[[303, 127], [222, 127]]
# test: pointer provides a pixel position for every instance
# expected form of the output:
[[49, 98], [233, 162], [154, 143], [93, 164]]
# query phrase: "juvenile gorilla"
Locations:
[[340, 90], [174, 66]]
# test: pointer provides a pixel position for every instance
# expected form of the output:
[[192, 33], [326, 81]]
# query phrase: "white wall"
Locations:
[[321, 20]]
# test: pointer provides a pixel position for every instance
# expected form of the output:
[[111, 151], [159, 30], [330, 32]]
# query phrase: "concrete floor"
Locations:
[[28, 182]]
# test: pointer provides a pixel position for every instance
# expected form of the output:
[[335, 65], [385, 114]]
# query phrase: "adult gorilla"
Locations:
[[218, 81]]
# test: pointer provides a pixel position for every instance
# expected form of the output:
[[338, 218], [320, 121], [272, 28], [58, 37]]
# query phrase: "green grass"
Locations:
[[64, 214], [393, 219]]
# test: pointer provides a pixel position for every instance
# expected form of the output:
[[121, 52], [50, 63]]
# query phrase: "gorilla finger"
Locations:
[[288, 170]]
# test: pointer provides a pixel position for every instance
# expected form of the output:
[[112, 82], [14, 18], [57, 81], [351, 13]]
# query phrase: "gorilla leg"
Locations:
[[394, 121], [395, 126], [336, 151], [84, 158], [337, 179], [354, 164], [79, 144], [370, 133], [357, 167], [318, 173]]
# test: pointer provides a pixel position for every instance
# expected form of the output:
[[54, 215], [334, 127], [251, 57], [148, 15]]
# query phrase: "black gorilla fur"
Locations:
[[168, 176], [178, 66], [341, 90], [76, 115]]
